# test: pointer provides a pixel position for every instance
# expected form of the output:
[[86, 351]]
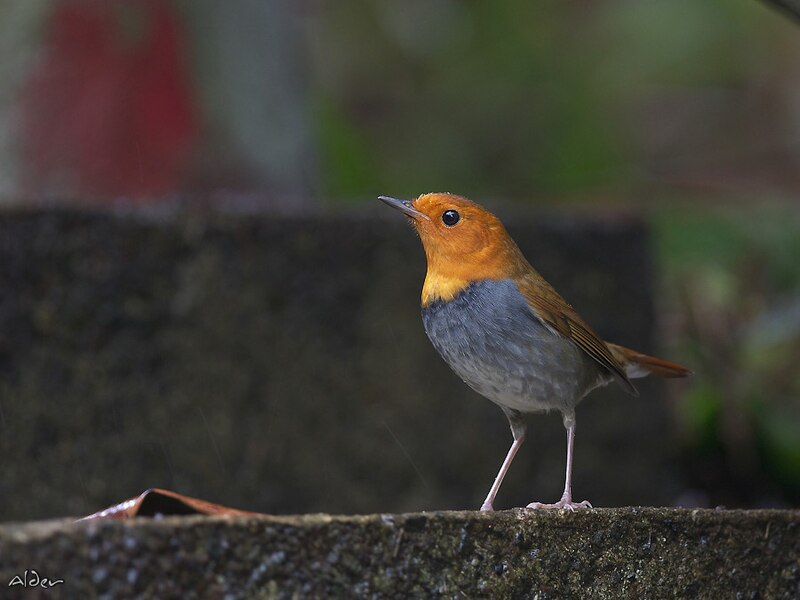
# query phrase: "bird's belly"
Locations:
[[491, 339]]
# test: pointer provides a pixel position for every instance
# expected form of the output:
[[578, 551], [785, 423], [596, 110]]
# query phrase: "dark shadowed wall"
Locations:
[[280, 365]]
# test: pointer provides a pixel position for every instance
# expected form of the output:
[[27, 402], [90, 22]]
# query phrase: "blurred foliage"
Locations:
[[733, 280], [516, 98]]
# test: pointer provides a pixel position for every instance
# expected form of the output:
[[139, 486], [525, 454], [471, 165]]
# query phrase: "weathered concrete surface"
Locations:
[[280, 365], [611, 553]]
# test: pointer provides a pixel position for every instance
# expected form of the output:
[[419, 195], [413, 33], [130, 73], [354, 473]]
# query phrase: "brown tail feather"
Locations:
[[640, 365]]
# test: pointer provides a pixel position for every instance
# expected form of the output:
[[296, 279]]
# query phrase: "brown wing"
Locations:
[[553, 310]]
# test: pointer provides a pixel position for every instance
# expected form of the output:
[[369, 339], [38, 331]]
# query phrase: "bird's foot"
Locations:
[[487, 507], [565, 503]]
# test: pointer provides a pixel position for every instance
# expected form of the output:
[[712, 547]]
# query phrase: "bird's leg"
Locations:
[[566, 498], [518, 428]]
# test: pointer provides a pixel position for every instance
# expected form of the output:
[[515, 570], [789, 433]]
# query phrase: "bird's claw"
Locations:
[[565, 503]]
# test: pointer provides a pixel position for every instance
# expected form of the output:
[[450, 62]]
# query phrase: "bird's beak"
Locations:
[[404, 206]]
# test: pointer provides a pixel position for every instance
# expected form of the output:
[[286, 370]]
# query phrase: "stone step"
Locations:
[[598, 553]]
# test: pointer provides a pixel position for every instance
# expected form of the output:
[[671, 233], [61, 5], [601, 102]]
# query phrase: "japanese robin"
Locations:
[[505, 331]]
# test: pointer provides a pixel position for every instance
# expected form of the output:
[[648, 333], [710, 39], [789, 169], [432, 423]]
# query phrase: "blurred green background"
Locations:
[[687, 112]]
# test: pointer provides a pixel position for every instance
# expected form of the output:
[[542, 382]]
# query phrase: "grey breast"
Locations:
[[492, 340]]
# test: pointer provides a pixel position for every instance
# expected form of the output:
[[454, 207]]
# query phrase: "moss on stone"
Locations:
[[605, 553]]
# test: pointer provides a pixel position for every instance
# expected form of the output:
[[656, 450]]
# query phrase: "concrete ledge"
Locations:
[[605, 553]]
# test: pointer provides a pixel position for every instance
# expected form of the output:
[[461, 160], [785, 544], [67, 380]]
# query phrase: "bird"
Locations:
[[506, 332]]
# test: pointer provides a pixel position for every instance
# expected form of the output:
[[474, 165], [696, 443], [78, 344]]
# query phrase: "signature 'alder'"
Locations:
[[505, 331]]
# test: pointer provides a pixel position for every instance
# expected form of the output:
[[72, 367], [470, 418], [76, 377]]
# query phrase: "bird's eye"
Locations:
[[450, 217]]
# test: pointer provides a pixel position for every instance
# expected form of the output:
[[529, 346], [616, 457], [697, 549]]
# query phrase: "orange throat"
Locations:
[[446, 279]]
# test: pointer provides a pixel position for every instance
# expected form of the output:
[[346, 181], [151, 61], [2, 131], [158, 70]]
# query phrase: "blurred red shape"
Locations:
[[108, 110]]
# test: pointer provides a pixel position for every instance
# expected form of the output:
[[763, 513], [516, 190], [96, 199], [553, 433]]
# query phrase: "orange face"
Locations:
[[463, 243]]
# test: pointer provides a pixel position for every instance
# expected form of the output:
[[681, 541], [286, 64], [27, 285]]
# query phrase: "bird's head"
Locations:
[[463, 242]]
